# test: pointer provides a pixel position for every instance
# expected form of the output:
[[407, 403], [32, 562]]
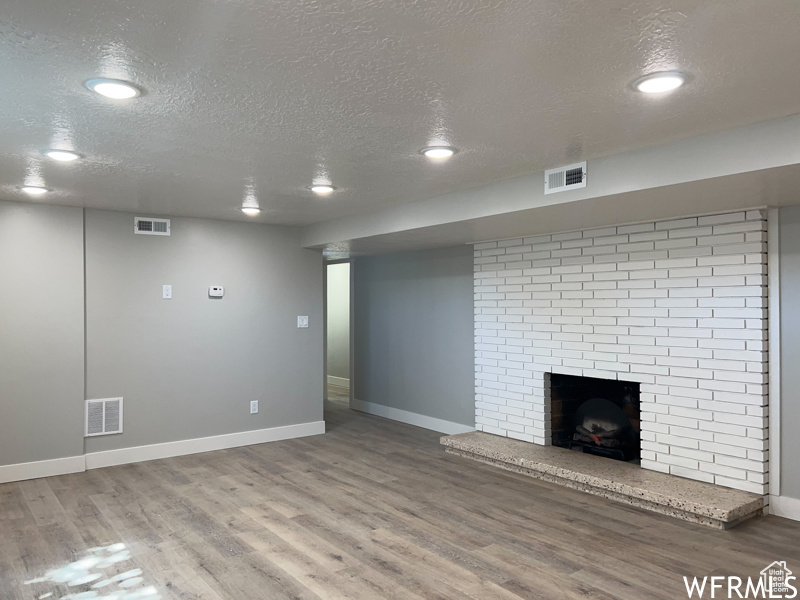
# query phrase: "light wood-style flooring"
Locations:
[[373, 509]]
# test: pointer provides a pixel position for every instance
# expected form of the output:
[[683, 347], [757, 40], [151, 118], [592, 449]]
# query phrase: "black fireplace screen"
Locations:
[[599, 416]]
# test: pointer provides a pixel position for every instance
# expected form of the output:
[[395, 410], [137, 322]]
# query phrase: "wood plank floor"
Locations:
[[373, 509]]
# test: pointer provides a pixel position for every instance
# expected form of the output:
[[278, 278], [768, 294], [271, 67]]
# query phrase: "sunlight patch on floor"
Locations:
[[88, 573]]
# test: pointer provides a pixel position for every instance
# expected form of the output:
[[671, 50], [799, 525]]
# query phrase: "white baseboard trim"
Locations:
[[110, 458], [42, 468], [341, 381], [404, 416], [783, 506]]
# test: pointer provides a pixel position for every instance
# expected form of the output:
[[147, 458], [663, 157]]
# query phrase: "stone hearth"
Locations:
[[693, 501]]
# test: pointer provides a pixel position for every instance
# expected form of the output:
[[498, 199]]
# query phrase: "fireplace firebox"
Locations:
[[597, 416]]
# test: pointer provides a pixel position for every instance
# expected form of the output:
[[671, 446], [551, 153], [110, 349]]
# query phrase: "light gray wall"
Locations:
[[41, 332], [189, 367], [339, 320], [790, 350], [413, 320]]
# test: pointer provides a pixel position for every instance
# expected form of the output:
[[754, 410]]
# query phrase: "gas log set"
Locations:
[[597, 416]]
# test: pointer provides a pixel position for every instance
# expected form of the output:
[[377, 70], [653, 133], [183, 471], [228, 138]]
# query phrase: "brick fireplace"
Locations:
[[678, 307]]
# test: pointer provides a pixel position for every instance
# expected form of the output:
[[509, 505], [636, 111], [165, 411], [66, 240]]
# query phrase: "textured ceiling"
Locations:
[[273, 93]]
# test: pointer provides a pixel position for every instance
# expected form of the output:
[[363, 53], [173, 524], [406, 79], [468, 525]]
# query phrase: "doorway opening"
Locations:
[[338, 338]]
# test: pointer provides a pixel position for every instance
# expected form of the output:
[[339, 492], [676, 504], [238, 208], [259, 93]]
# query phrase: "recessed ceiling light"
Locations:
[[660, 83], [251, 211], [438, 152], [62, 155], [322, 189], [34, 190], [114, 88]]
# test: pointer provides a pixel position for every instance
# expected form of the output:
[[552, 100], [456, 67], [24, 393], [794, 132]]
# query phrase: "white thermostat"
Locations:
[[216, 291]]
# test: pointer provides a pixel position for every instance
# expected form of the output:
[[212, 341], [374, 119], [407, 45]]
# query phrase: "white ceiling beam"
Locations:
[[759, 149]]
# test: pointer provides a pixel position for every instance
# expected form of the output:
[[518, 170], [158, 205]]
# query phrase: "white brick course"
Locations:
[[679, 306]]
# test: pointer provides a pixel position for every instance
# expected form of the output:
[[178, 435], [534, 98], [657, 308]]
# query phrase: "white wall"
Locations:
[[339, 323], [41, 332], [679, 306]]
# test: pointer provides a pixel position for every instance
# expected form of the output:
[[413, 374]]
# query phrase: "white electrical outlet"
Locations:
[[302, 322], [166, 292], [254, 407]]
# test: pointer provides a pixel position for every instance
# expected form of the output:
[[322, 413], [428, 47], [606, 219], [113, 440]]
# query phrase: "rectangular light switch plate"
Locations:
[[166, 292], [302, 322]]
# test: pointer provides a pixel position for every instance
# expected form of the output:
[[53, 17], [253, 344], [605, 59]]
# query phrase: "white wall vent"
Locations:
[[566, 178], [151, 226], [103, 417]]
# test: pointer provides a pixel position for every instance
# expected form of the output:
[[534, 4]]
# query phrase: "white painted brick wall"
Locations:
[[679, 306]]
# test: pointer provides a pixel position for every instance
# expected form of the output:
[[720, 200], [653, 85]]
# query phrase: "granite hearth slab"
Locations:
[[670, 495]]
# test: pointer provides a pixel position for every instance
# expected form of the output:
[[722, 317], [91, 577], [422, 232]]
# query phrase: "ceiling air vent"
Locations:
[[150, 226], [566, 178], [103, 417]]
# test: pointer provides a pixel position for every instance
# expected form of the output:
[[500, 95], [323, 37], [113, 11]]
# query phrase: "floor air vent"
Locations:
[[566, 178], [103, 417], [150, 226]]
